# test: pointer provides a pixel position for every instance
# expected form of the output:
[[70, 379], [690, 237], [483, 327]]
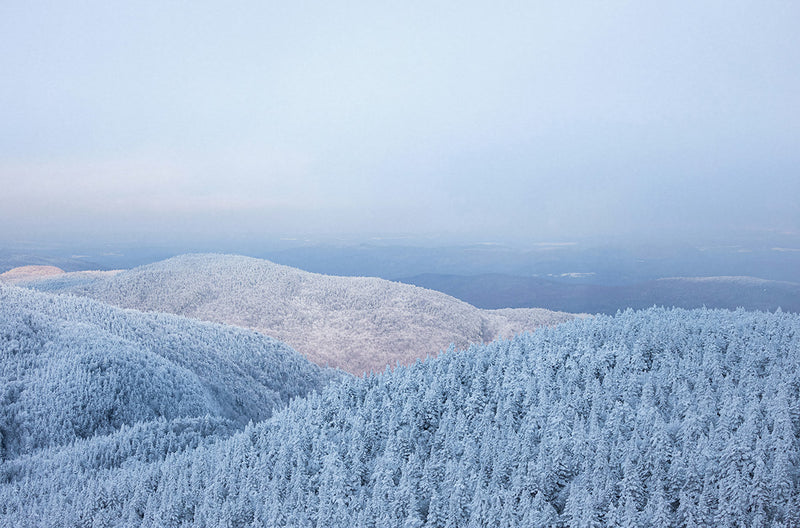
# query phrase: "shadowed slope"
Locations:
[[72, 368]]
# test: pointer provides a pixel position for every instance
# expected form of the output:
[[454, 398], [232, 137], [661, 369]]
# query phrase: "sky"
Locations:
[[171, 120]]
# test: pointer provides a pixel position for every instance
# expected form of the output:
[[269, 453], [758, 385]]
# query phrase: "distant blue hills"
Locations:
[[498, 290]]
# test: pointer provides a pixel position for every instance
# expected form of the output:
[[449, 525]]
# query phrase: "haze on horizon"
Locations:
[[544, 121]]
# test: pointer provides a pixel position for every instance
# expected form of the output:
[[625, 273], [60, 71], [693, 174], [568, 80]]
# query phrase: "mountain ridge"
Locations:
[[360, 324]]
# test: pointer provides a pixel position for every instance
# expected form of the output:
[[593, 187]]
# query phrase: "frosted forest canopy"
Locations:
[[73, 368], [652, 418]]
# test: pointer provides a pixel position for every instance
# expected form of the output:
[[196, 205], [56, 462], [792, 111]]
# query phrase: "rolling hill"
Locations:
[[24, 274], [54, 277], [357, 324]]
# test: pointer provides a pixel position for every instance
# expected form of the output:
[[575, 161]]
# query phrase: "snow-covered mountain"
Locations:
[[73, 368], [655, 418], [357, 324]]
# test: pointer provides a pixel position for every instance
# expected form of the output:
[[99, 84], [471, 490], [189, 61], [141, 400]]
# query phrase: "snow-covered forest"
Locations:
[[73, 368], [661, 417], [399, 264]]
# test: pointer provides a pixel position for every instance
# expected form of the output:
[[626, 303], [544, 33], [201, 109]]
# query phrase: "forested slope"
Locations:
[[653, 418], [358, 324], [74, 368]]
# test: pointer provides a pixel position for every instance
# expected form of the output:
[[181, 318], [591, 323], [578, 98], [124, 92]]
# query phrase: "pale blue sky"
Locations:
[[538, 120]]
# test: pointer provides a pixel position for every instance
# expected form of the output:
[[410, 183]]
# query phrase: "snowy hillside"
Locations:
[[29, 273], [357, 324], [74, 368], [653, 418]]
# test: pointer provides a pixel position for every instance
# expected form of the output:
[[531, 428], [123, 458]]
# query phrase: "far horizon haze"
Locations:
[[173, 122]]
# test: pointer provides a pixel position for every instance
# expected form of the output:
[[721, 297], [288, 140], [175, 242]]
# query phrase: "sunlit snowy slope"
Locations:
[[355, 323]]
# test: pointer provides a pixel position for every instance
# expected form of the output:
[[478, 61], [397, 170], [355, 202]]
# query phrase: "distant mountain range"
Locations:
[[73, 368], [354, 323], [607, 264], [498, 290]]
